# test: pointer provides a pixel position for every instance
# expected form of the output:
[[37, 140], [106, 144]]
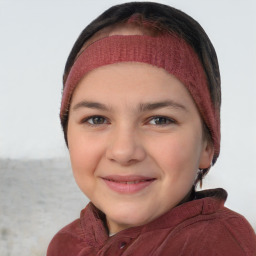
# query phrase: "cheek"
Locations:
[[176, 151], [178, 156], [85, 154]]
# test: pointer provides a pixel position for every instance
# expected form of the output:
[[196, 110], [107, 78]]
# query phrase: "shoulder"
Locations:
[[80, 237], [224, 233], [226, 228], [67, 241], [231, 230], [212, 230]]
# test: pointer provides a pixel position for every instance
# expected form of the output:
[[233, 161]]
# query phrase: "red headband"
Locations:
[[166, 51]]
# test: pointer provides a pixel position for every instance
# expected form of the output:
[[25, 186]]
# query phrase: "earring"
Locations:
[[200, 175]]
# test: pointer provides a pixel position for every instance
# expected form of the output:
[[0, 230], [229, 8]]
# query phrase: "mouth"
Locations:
[[127, 184]]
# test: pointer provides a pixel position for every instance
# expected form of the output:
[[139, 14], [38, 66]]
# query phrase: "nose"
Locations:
[[125, 147]]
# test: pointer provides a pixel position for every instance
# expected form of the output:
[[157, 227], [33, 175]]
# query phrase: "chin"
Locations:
[[127, 216]]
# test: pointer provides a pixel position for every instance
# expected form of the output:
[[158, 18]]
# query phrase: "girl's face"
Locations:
[[135, 141]]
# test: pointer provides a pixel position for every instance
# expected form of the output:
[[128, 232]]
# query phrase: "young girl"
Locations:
[[141, 118]]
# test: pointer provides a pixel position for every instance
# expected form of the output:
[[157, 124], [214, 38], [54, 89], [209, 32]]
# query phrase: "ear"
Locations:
[[206, 155]]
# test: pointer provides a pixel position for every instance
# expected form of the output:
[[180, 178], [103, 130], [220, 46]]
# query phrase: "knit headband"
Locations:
[[169, 52]]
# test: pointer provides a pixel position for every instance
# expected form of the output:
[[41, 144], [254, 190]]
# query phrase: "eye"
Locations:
[[161, 120], [95, 120]]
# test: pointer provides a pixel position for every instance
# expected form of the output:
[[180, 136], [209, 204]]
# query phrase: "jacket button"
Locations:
[[122, 245]]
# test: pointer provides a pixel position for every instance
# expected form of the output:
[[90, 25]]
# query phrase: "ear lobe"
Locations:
[[206, 155]]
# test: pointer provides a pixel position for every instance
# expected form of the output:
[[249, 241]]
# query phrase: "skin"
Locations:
[[115, 127]]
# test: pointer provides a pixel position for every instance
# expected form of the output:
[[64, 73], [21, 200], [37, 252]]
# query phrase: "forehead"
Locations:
[[130, 82]]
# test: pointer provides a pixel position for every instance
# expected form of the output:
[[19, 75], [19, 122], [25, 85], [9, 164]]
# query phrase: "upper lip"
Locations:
[[127, 178]]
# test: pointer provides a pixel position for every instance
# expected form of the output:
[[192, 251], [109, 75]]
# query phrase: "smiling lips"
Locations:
[[127, 184]]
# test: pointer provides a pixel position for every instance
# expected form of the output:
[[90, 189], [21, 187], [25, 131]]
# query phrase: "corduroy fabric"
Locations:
[[197, 228], [169, 52]]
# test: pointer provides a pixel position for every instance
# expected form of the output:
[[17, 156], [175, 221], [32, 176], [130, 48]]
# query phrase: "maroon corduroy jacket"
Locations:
[[202, 227]]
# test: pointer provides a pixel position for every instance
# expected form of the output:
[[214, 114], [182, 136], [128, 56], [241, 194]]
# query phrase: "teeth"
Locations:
[[133, 182], [129, 182]]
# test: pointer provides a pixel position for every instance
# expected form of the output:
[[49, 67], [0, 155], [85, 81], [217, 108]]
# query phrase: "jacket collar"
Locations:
[[206, 202]]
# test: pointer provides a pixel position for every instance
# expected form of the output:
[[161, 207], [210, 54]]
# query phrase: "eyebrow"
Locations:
[[163, 104], [89, 104], [143, 107]]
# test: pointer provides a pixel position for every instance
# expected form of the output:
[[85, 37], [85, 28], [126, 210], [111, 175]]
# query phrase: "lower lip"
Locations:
[[127, 188]]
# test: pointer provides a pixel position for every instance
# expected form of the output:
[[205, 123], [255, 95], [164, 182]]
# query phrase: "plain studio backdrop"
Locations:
[[36, 38]]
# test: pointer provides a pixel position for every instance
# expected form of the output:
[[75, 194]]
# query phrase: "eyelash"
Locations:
[[87, 120], [168, 120]]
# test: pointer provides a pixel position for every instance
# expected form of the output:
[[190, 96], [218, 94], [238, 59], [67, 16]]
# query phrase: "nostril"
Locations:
[[125, 153]]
